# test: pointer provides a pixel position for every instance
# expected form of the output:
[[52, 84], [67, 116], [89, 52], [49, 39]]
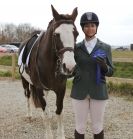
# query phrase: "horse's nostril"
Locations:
[[65, 68]]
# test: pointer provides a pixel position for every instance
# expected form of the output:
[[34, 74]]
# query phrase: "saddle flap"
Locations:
[[27, 48]]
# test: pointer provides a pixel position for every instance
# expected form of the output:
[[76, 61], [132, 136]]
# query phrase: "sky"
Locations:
[[115, 16]]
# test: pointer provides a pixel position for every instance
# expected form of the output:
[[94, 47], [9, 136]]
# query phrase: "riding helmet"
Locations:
[[89, 17]]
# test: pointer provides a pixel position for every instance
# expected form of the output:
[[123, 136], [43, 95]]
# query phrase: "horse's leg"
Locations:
[[60, 129], [27, 92], [42, 95], [47, 118], [59, 104]]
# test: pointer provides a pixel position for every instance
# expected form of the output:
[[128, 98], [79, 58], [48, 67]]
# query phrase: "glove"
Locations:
[[102, 63]]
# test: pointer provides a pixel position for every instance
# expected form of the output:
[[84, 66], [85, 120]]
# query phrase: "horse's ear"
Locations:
[[74, 14], [55, 13]]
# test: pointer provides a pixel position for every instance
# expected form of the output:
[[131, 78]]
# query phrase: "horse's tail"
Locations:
[[37, 97]]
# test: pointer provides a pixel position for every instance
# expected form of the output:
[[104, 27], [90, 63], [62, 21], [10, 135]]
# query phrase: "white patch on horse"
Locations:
[[66, 34], [60, 128], [68, 59], [24, 74], [47, 118], [67, 38], [29, 114]]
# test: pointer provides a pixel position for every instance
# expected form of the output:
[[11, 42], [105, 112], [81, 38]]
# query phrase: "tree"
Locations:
[[11, 33]]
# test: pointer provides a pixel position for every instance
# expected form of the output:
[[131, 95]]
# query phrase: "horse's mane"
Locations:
[[50, 23]]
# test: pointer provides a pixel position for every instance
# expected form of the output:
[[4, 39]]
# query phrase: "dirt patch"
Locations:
[[14, 124], [122, 59], [119, 80]]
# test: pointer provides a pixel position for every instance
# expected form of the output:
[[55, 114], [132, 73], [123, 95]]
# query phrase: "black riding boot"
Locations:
[[78, 136], [99, 136]]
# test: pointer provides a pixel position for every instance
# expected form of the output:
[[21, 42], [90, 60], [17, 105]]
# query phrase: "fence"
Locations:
[[14, 67], [10, 68]]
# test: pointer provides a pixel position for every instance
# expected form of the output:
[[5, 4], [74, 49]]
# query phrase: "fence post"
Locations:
[[131, 47], [13, 65]]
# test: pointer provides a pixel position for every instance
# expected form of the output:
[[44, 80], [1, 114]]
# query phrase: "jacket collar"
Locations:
[[97, 46]]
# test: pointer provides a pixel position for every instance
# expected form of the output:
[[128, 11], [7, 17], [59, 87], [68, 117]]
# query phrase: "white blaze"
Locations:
[[66, 34], [69, 60], [67, 38]]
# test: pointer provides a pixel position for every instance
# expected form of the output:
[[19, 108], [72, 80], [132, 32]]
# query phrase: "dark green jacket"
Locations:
[[84, 82]]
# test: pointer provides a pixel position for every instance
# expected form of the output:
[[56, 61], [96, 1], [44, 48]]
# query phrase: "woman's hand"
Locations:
[[102, 63]]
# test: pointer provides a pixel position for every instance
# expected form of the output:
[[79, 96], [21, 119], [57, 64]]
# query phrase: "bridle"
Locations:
[[58, 53]]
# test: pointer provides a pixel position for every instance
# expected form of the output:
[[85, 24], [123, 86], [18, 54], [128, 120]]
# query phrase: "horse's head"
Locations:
[[64, 37]]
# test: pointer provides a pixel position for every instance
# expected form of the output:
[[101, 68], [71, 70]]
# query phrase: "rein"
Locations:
[[44, 87]]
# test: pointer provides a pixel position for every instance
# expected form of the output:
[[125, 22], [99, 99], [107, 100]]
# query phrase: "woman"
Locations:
[[89, 92]]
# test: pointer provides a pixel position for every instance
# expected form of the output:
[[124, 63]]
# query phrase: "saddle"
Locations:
[[28, 47], [34, 40]]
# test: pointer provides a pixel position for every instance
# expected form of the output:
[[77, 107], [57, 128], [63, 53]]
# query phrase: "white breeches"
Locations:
[[87, 106]]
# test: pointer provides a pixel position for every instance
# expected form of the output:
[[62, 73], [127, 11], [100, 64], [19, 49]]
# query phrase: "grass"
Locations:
[[9, 74], [5, 74], [6, 60], [123, 69], [123, 89]]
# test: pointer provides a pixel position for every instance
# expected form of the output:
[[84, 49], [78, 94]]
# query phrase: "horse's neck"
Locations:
[[46, 44]]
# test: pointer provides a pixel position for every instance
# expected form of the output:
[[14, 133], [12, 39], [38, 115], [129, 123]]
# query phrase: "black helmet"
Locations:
[[89, 17]]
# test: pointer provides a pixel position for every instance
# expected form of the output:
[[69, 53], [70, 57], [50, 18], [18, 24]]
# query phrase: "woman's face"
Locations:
[[90, 29]]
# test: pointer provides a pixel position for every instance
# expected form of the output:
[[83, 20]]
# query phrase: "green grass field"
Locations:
[[123, 69]]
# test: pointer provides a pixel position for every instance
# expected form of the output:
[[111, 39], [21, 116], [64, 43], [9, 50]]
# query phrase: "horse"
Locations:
[[50, 62]]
